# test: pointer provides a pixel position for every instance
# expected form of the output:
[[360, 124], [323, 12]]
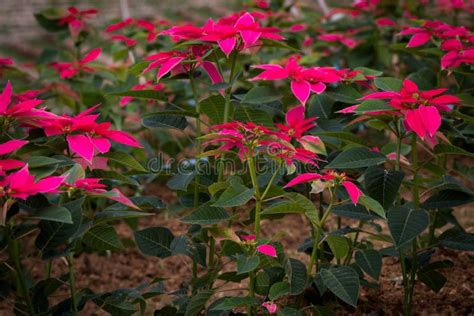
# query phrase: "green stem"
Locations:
[[414, 150], [49, 267], [258, 197], [251, 292], [228, 94], [267, 189], [405, 283], [198, 140], [212, 251], [431, 234], [14, 252], [72, 282], [354, 242]]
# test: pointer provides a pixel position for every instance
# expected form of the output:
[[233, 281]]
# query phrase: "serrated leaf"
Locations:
[[247, 114], [279, 289], [102, 237], [154, 241], [260, 95], [370, 261], [297, 276], [338, 245], [235, 195], [406, 224], [383, 185], [247, 264], [343, 282], [213, 107], [388, 83], [125, 160], [356, 158], [54, 214], [345, 94], [206, 215]]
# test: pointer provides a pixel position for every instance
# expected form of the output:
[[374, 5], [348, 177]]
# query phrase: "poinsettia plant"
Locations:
[[358, 121]]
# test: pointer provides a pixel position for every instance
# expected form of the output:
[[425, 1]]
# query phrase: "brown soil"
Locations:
[[103, 273]]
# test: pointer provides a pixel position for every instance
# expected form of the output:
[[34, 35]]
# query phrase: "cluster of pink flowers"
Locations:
[[70, 69], [75, 19], [456, 41], [84, 135], [419, 108], [235, 32], [303, 80], [249, 139], [130, 24]]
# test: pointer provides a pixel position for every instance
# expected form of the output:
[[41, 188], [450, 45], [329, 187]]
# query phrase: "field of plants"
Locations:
[[289, 158]]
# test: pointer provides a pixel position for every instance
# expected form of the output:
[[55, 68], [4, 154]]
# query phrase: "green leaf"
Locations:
[[372, 205], [458, 239], [369, 71], [320, 106], [125, 160], [206, 215], [293, 203], [106, 216], [141, 94], [373, 105], [137, 69], [259, 95], [383, 185], [343, 282], [388, 83], [356, 158], [370, 261], [350, 210], [181, 181], [262, 283], [213, 107], [102, 237], [279, 289], [41, 161], [198, 302], [406, 224], [247, 114], [451, 150], [235, 195], [344, 136], [165, 121], [297, 275], [229, 303], [448, 198], [154, 241], [338, 245], [247, 264], [54, 214], [112, 175], [345, 94], [432, 279]]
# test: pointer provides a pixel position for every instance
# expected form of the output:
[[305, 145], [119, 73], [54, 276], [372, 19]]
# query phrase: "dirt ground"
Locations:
[[129, 268]]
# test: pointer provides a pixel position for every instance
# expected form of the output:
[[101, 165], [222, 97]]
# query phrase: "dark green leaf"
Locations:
[[259, 95], [102, 237], [383, 185], [154, 241], [206, 215], [247, 264], [356, 158], [388, 83], [406, 224], [343, 282], [370, 261], [54, 214]]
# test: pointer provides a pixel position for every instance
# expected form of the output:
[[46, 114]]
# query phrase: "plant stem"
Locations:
[[354, 242], [277, 171], [251, 292], [198, 140], [431, 234], [14, 252], [258, 197], [72, 282], [405, 282], [49, 267], [416, 196], [228, 94], [212, 250]]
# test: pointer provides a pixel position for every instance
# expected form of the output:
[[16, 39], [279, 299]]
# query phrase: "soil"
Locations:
[[105, 272]]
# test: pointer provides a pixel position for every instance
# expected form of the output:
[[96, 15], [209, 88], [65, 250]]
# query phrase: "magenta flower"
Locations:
[[267, 250], [303, 80], [148, 85], [296, 123], [271, 307], [22, 184], [68, 70], [11, 146], [329, 176], [244, 29], [457, 53], [420, 108], [344, 38], [75, 19]]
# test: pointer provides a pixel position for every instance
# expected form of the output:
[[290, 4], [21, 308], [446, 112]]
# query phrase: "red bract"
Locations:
[[7, 148], [344, 38], [173, 62], [458, 53], [330, 176], [148, 26], [271, 307], [303, 80], [84, 136], [420, 108], [68, 70], [296, 124], [148, 85], [22, 184], [267, 250], [75, 19]]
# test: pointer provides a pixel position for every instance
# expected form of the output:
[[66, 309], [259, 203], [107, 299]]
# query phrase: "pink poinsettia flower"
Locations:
[[185, 32], [6, 61], [271, 307], [148, 85], [344, 38], [365, 5], [296, 123], [330, 176], [22, 184], [458, 53], [94, 187], [248, 237], [124, 39], [75, 19], [245, 29], [267, 250], [84, 136], [68, 70], [303, 80], [385, 22], [420, 108], [424, 33], [173, 62], [148, 26]]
